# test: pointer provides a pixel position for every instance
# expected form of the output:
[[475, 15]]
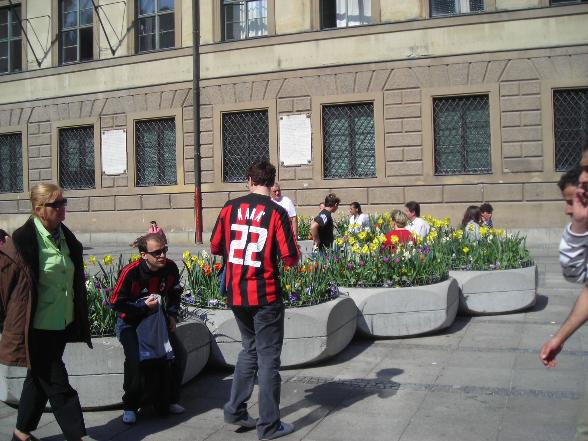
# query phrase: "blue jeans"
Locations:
[[262, 335]]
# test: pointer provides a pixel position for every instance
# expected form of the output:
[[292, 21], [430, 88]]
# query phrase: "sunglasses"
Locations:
[[158, 252], [56, 204]]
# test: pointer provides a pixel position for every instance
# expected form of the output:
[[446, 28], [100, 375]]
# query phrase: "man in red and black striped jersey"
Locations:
[[153, 273], [253, 234]]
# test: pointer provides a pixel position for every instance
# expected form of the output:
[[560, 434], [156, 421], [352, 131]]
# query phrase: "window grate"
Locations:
[[570, 115], [11, 163], [462, 135], [244, 19], [10, 40], [245, 142], [349, 141], [76, 158], [156, 152], [455, 7], [76, 26], [155, 25]]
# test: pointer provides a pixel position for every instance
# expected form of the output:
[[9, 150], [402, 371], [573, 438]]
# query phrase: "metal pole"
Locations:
[[196, 119]]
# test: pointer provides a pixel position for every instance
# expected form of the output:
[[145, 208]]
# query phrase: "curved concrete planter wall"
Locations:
[[496, 292], [311, 333], [97, 374], [400, 312]]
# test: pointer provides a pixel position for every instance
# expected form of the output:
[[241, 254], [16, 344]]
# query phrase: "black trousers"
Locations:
[[47, 381]]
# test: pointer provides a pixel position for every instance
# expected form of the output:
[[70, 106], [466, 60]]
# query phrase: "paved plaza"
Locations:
[[480, 380]]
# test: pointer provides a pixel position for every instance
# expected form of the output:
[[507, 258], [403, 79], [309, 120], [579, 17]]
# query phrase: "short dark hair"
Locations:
[[153, 222], [414, 207], [571, 177], [262, 173], [142, 241], [486, 208], [356, 206], [331, 200], [3, 235]]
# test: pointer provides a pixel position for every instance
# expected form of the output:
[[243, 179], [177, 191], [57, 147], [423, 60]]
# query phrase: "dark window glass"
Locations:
[[156, 152], [462, 135], [245, 141], [563, 2], [10, 40], [344, 13], [570, 118], [244, 19], [77, 31], [76, 158], [11, 163], [454, 7], [155, 25], [349, 141]]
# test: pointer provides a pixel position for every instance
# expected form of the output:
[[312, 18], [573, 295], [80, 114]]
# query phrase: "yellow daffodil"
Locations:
[[107, 260], [186, 255], [188, 264], [355, 248], [465, 250], [85, 266], [339, 241], [457, 234], [135, 257], [362, 235], [394, 239], [92, 260], [365, 249], [352, 240], [374, 246], [483, 231]]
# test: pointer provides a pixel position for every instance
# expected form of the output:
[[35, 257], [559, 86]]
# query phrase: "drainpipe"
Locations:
[[196, 120]]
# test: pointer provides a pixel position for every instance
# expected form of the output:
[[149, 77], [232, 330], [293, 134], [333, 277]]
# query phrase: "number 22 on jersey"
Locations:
[[245, 239]]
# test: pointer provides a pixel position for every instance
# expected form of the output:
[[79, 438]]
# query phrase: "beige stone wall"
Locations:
[[401, 10], [293, 17]]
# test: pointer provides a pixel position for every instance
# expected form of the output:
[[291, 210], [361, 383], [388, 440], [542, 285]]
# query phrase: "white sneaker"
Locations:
[[176, 409], [129, 417]]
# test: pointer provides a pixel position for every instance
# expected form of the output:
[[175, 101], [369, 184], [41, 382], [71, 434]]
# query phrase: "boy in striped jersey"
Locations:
[[253, 233]]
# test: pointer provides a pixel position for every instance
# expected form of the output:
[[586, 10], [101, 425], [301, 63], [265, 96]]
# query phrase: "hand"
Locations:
[[152, 303], [548, 353], [580, 212], [172, 324]]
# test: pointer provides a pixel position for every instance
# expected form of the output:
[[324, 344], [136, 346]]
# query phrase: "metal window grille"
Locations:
[[76, 30], [156, 152], [10, 40], [349, 141], [244, 19], [245, 142], [561, 2], [76, 158], [462, 135], [11, 163], [155, 25], [455, 7], [570, 115], [341, 14]]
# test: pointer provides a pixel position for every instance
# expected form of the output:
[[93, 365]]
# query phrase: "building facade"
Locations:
[[446, 102]]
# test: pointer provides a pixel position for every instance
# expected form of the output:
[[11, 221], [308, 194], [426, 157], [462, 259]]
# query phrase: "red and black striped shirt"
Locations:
[[253, 233]]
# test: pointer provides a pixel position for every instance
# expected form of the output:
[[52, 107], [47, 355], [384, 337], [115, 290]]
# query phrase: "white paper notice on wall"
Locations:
[[295, 139], [114, 151]]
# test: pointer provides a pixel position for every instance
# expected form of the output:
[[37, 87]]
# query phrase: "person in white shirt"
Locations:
[[358, 220], [417, 225], [287, 203]]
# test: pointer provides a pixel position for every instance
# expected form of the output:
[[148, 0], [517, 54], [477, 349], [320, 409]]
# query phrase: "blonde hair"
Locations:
[[41, 193], [399, 218]]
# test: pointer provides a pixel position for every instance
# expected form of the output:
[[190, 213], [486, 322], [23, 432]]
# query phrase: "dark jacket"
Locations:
[[19, 275]]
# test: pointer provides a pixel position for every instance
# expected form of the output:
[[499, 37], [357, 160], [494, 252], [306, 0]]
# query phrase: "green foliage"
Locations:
[[304, 227], [202, 281]]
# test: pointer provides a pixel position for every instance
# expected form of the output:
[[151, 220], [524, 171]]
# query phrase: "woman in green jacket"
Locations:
[[43, 306]]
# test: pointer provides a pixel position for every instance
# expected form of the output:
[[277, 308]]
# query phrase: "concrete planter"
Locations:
[[311, 333], [496, 292], [401, 312], [97, 374]]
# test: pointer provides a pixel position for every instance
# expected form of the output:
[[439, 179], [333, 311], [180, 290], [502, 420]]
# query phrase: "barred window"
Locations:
[[155, 25], [570, 108], [462, 135], [562, 2], [76, 30], [10, 40], [455, 7], [349, 141], [11, 163], [76, 158], [245, 141], [156, 152], [244, 19], [344, 13]]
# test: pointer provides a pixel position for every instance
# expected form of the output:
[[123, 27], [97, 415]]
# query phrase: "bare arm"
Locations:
[[294, 221], [314, 230], [577, 318]]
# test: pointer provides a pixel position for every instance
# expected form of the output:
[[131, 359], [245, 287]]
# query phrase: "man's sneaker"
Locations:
[[248, 423], [129, 417], [283, 430], [176, 409]]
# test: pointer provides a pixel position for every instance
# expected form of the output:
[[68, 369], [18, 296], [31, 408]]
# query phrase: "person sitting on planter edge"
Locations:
[[143, 287], [472, 218], [486, 213], [322, 226], [357, 219], [416, 224], [43, 307], [402, 234], [253, 234]]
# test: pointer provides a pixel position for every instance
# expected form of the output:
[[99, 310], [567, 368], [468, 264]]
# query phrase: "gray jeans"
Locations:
[[262, 334]]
